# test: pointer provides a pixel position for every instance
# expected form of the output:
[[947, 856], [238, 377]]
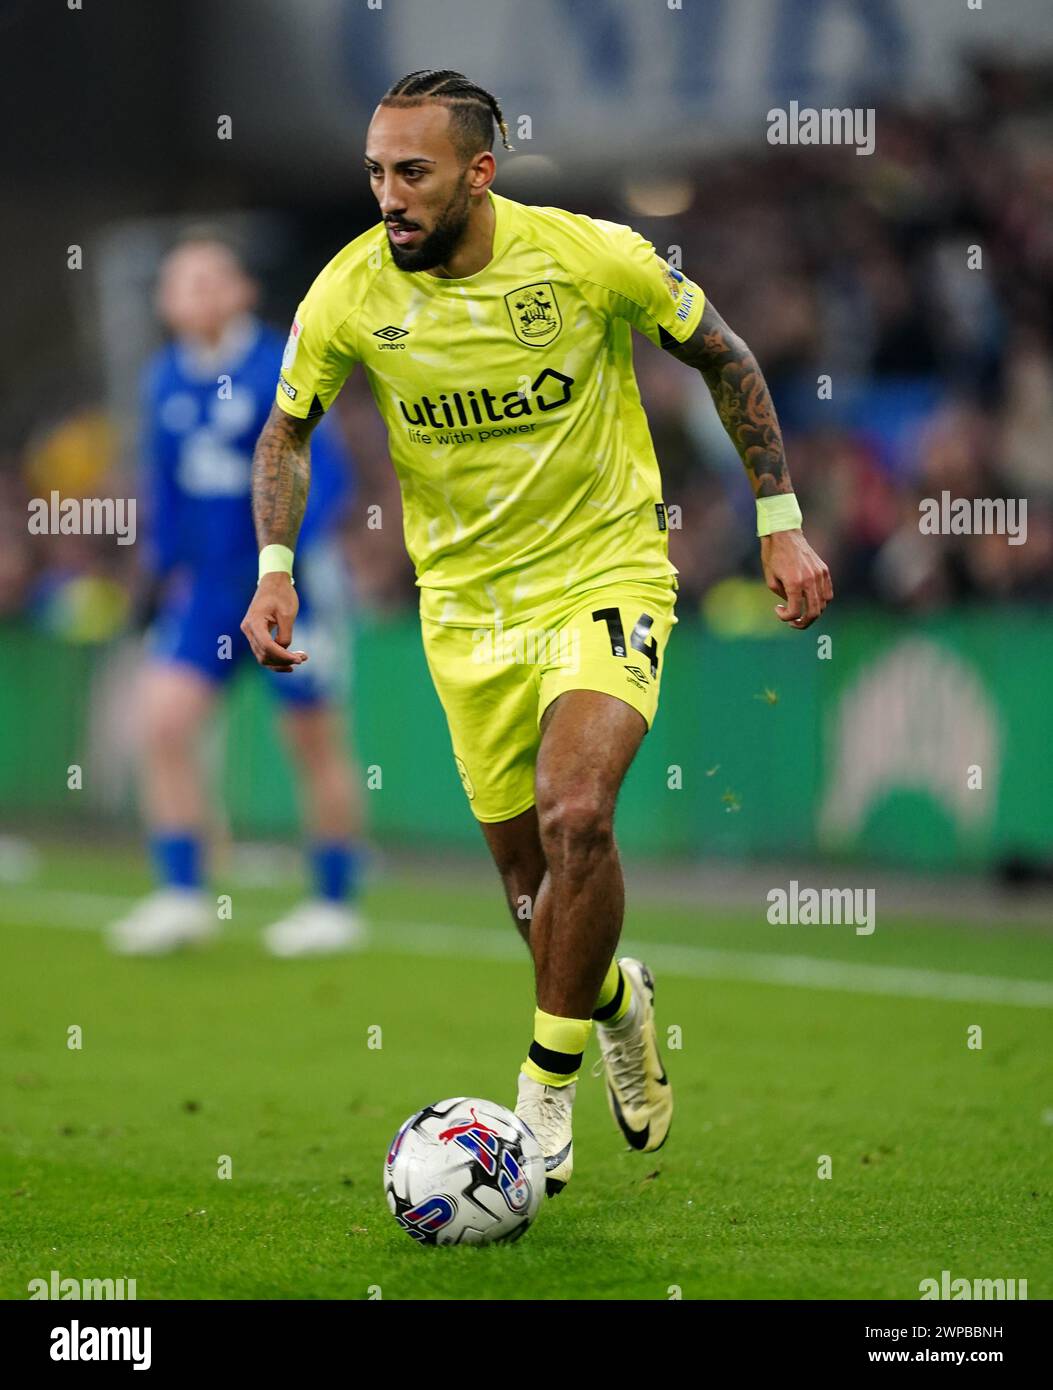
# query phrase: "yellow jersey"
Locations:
[[524, 458]]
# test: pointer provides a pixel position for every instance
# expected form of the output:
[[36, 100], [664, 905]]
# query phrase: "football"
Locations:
[[464, 1172]]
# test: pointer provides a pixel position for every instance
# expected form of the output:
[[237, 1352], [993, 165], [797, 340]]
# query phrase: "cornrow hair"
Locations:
[[473, 111]]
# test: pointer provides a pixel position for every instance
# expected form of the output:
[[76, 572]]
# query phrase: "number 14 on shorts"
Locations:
[[638, 639]]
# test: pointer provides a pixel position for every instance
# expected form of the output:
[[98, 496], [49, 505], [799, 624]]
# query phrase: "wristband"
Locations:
[[276, 559], [780, 513]]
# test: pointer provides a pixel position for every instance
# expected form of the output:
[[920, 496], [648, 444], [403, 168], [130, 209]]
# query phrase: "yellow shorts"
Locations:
[[496, 683]]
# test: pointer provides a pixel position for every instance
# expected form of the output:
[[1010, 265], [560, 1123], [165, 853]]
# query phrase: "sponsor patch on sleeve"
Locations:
[[290, 391], [674, 280], [291, 344]]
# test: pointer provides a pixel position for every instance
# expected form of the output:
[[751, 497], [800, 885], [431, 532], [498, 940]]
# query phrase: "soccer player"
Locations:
[[496, 339], [207, 396]]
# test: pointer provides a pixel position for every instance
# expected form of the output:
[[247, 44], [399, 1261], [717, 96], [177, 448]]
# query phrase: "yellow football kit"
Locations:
[[531, 494]]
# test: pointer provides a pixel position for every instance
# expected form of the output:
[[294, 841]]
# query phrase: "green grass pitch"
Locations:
[[941, 1155]]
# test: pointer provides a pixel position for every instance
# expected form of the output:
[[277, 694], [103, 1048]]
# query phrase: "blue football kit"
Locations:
[[201, 419]]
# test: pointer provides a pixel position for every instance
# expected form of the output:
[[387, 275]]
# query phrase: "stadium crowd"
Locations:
[[901, 307]]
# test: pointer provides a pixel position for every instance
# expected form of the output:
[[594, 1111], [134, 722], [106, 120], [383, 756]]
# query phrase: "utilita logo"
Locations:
[[548, 391]]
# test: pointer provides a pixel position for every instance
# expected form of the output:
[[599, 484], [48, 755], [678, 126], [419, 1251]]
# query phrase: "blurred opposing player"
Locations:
[[497, 340], [207, 395]]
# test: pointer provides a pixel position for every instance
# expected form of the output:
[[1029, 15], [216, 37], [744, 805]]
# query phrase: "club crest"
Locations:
[[535, 314]]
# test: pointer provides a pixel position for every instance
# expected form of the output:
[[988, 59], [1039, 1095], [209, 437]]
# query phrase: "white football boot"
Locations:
[[638, 1090], [315, 928], [165, 921], [546, 1111]]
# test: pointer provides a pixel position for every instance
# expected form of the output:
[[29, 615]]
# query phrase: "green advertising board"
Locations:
[[903, 742], [935, 747]]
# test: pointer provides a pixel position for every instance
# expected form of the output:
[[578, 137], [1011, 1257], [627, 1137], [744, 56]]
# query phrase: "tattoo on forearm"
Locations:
[[281, 477], [742, 399]]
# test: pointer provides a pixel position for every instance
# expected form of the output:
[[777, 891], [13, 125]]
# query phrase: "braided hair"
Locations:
[[473, 111]]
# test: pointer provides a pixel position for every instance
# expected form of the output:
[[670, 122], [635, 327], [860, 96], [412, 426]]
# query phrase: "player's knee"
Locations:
[[316, 744], [169, 725], [168, 733], [577, 824]]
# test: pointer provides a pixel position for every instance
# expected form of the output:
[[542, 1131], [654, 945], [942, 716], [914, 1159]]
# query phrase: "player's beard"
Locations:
[[442, 241]]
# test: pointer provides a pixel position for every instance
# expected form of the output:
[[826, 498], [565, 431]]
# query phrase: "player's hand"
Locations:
[[795, 572], [269, 623]]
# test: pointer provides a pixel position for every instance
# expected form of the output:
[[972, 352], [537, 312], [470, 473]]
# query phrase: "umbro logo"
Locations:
[[390, 333], [637, 677]]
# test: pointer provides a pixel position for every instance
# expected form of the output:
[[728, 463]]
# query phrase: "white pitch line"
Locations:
[[760, 967], [809, 972], [80, 911], [88, 912]]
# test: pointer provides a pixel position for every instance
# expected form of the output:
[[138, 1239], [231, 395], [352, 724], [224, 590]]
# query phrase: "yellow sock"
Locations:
[[615, 997], [555, 1054]]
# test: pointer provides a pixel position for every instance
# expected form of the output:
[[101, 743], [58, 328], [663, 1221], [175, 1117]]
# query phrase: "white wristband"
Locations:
[[780, 513], [276, 559]]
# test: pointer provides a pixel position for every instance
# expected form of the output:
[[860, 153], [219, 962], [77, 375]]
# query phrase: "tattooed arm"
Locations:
[[741, 397], [792, 569], [281, 476]]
